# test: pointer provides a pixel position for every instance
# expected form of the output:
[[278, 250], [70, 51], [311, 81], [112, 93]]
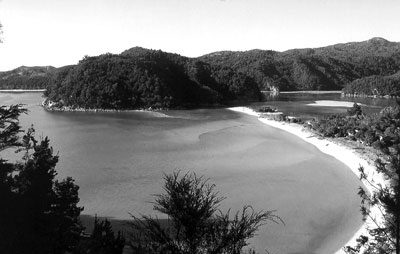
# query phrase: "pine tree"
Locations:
[[39, 214]]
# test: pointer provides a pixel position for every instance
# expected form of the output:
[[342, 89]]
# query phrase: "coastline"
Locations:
[[339, 151], [307, 91], [312, 92], [49, 105], [22, 90]]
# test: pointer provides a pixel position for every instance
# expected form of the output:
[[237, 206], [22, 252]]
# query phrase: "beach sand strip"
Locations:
[[341, 151]]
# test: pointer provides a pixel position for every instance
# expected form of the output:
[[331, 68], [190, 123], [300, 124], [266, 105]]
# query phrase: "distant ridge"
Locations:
[[331, 67], [324, 68], [23, 77]]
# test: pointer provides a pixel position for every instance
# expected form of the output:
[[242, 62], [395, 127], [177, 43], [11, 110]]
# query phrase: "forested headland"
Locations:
[[143, 78], [375, 85]]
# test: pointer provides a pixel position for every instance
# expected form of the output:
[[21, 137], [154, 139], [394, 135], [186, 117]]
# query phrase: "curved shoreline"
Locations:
[[340, 152], [22, 90]]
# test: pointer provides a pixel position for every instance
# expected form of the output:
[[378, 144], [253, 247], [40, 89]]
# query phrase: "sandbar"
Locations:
[[311, 92], [326, 103]]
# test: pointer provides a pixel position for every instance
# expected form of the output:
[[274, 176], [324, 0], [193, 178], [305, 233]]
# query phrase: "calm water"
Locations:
[[118, 160], [296, 104]]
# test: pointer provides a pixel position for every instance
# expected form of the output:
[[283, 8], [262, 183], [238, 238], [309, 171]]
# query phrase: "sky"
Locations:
[[62, 32]]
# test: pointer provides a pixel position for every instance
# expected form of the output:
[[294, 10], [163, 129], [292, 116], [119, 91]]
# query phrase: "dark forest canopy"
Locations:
[[140, 77], [375, 85], [326, 68]]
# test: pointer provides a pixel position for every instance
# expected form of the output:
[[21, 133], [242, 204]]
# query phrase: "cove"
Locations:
[[118, 160]]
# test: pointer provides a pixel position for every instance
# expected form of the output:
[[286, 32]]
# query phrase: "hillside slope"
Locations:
[[141, 78], [23, 77], [375, 85], [325, 68]]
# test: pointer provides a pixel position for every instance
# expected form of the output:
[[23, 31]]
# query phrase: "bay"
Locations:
[[119, 158]]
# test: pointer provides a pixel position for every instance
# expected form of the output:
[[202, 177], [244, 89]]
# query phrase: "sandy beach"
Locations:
[[327, 103], [22, 90], [342, 153], [311, 92]]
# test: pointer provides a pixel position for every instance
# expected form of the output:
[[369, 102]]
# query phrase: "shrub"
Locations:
[[195, 223]]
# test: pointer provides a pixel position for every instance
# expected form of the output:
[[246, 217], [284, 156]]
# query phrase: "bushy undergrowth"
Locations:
[[381, 131]]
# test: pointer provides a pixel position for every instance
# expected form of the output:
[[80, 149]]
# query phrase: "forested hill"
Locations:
[[326, 68], [142, 78], [377, 85], [26, 77], [139, 77]]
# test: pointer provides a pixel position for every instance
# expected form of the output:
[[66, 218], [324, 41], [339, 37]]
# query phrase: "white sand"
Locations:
[[341, 153], [152, 113], [326, 103], [310, 92], [21, 90]]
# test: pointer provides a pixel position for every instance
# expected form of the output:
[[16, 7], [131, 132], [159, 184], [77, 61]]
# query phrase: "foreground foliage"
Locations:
[[102, 240], [39, 214], [195, 225], [383, 227]]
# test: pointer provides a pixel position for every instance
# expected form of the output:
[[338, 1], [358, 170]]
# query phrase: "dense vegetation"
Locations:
[[195, 224], [40, 214], [26, 78], [102, 240], [382, 234], [326, 68], [146, 78], [381, 131], [140, 78], [375, 85]]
